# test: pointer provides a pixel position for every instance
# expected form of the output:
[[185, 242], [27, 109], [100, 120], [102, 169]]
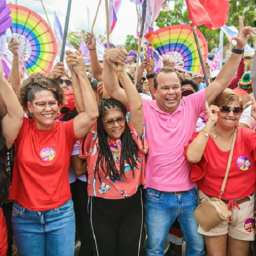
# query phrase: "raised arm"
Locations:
[[228, 71], [196, 149], [75, 82], [14, 76], [88, 109], [110, 79], [150, 67], [12, 121], [238, 76], [134, 99], [90, 41]]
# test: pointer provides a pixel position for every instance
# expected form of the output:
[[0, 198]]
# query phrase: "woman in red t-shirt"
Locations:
[[115, 153], [208, 154], [43, 216], [11, 116]]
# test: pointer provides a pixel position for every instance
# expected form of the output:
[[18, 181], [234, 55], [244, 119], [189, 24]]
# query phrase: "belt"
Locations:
[[238, 201], [176, 193]]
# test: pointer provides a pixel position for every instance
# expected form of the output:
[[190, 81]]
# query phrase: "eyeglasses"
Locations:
[[43, 104], [120, 120], [66, 81], [227, 109]]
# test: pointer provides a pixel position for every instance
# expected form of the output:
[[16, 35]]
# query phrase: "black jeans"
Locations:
[[117, 225], [80, 199], [7, 209]]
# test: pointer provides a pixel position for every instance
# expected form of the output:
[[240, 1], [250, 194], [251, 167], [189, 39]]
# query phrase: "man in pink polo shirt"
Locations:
[[170, 122]]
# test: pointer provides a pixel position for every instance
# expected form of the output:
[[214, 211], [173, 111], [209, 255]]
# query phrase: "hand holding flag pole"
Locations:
[[96, 15], [65, 31]]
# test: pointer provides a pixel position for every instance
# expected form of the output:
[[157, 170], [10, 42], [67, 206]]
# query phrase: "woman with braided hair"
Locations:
[[115, 153], [11, 117], [43, 216]]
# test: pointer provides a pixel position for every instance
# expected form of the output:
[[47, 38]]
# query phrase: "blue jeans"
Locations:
[[161, 211], [44, 233]]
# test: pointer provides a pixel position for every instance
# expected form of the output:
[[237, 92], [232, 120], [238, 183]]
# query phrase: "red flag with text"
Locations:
[[211, 13]]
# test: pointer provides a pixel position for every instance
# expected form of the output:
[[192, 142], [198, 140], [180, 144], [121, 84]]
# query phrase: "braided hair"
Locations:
[[129, 152], [4, 177]]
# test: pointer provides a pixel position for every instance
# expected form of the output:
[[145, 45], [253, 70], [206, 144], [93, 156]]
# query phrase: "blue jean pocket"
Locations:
[[193, 192], [67, 207], [17, 210], [153, 195]]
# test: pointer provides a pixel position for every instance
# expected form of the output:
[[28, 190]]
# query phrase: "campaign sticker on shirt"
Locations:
[[243, 163], [47, 154], [249, 225]]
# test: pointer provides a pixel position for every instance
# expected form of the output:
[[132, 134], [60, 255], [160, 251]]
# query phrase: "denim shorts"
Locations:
[[242, 225], [43, 233]]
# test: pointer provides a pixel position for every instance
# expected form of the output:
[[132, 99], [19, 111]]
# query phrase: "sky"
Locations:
[[79, 18]]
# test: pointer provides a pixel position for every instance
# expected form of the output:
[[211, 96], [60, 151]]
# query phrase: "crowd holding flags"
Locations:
[[200, 12]]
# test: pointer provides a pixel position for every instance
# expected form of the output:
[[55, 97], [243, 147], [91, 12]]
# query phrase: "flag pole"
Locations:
[[95, 17], [141, 39], [107, 19], [200, 55], [138, 59], [46, 13], [65, 31]]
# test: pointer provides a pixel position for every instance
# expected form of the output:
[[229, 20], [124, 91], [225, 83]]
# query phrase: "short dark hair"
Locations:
[[165, 70], [191, 82], [35, 83]]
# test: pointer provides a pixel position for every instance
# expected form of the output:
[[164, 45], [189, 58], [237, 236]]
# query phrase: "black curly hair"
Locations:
[[129, 148], [4, 177], [35, 83]]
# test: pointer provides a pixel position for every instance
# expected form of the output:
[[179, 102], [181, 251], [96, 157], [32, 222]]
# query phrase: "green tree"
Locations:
[[131, 43], [76, 37], [179, 15]]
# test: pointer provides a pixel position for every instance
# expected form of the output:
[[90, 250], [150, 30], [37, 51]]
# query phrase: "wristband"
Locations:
[[236, 51], [92, 49], [119, 74], [150, 76]]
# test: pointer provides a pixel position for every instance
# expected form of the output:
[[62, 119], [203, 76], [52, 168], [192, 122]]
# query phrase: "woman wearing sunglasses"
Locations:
[[43, 216], [115, 154], [208, 154]]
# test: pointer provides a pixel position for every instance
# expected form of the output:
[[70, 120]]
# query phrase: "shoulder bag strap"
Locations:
[[229, 163]]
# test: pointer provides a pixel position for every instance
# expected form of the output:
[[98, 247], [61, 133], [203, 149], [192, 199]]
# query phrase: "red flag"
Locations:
[[212, 13]]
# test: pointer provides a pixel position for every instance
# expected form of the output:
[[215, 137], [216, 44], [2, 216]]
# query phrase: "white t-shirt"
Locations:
[[71, 174], [247, 119]]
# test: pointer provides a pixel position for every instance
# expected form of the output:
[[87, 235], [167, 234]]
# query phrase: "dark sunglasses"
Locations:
[[111, 122], [66, 81], [227, 109]]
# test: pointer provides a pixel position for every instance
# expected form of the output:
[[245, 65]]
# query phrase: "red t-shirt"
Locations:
[[210, 171], [42, 158]]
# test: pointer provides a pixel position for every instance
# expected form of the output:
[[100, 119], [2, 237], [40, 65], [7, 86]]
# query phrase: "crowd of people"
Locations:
[[120, 165]]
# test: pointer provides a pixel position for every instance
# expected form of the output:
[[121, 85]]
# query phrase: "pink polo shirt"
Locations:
[[167, 135]]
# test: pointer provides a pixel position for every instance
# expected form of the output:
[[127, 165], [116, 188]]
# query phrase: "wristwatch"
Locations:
[[150, 76], [236, 51]]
